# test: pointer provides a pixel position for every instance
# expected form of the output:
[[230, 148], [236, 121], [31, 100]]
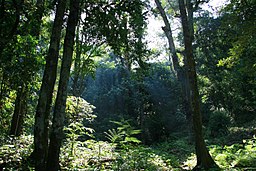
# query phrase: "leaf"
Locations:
[[113, 135], [132, 139]]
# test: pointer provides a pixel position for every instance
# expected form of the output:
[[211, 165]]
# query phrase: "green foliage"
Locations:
[[121, 24], [78, 109], [21, 61], [150, 98], [174, 154], [114, 135], [15, 151], [143, 158], [123, 134], [176, 150], [7, 107], [218, 123], [236, 155], [240, 17], [99, 155], [73, 132], [227, 60]]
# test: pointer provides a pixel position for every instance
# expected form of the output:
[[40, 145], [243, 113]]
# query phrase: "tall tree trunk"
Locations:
[[46, 91], [76, 86], [181, 72], [204, 160], [60, 104], [19, 111], [21, 97], [2, 91]]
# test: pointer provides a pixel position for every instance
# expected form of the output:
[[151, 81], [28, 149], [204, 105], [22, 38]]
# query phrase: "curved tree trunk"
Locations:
[[46, 91], [60, 104], [204, 159], [181, 72]]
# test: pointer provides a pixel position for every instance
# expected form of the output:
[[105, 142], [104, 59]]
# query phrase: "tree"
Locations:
[[238, 20], [204, 160], [180, 71], [187, 77], [19, 111], [227, 60], [60, 105], [23, 87], [46, 91], [84, 65], [94, 13]]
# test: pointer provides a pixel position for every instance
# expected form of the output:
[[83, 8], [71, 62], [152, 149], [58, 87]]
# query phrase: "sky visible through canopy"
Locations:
[[154, 38]]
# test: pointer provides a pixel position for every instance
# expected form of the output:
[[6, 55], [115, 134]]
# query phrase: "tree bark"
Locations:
[[181, 72], [204, 160], [19, 111], [46, 91], [77, 85], [60, 104], [168, 33], [21, 97]]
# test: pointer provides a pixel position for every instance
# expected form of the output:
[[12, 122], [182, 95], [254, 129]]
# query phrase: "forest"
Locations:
[[127, 85]]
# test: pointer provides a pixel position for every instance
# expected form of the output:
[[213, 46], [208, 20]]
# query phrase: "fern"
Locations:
[[114, 135], [123, 134]]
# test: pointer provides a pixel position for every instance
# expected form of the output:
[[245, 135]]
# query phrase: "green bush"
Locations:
[[242, 155], [100, 155], [218, 123], [15, 151]]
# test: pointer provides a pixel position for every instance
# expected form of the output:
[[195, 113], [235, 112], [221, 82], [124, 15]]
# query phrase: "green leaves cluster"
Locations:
[[78, 112], [121, 24], [239, 16], [78, 109], [219, 123], [225, 50], [123, 134], [99, 155], [15, 150], [237, 155]]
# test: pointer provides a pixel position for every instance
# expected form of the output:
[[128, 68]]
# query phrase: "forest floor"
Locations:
[[234, 151]]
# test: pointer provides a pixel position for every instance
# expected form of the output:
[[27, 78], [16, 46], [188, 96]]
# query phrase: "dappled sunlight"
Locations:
[[127, 85], [101, 155], [190, 162], [238, 155]]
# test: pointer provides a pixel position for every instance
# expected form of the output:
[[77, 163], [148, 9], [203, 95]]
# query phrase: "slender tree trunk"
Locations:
[[181, 72], [2, 89], [204, 160], [60, 104], [19, 111], [46, 91], [168, 33], [21, 97], [76, 91]]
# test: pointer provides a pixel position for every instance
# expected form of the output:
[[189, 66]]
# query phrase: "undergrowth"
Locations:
[[173, 154]]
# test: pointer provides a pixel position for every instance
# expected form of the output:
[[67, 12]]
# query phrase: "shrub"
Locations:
[[15, 151], [218, 123]]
